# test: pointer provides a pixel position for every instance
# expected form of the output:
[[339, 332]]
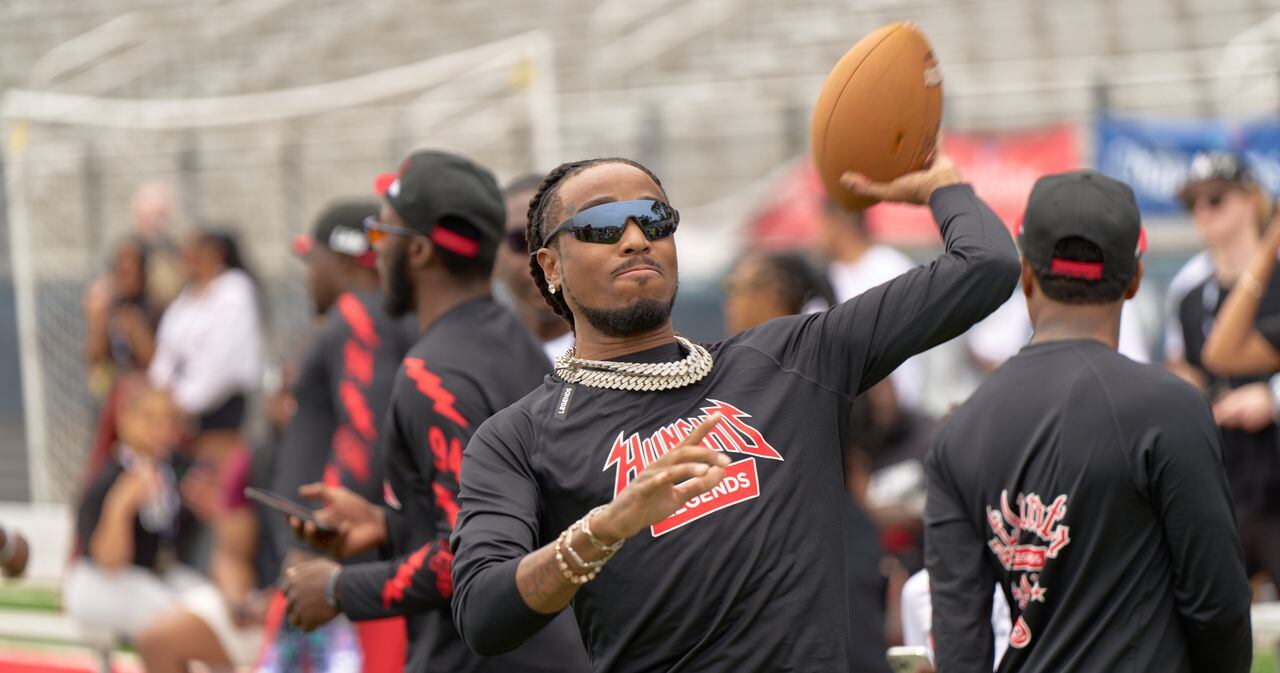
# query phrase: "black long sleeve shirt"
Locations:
[[1091, 488], [342, 393], [750, 576], [471, 362]]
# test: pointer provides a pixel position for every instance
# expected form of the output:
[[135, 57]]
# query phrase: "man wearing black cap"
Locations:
[[1090, 487], [436, 237], [342, 390]]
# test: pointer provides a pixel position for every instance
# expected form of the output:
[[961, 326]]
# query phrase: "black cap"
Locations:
[[450, 199], [340, 228], [1088, 205], [1214, 166]]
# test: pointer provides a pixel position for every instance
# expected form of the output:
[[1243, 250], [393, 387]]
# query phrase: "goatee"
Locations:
[[399, 298], [643, 315]]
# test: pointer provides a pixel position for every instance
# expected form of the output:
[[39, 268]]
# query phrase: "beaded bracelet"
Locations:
[[564, 567]]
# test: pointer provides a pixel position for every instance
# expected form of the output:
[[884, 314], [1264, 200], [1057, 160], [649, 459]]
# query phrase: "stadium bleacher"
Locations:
[[715, 94]]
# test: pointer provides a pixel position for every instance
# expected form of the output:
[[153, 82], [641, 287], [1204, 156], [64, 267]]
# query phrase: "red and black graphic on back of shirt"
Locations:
[[1041, 521]]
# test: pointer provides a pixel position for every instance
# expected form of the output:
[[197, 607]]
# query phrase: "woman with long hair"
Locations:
[[209, 347]]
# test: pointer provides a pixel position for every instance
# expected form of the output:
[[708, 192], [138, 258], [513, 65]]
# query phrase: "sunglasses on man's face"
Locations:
[[376, 230], [606, 222]]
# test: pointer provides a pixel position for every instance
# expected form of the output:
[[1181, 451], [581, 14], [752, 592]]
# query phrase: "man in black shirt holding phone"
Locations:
[[718, 466], [342, 391], [1090, 487], [436, 238]]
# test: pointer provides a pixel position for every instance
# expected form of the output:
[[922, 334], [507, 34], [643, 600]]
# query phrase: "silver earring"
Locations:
[[551, 287]]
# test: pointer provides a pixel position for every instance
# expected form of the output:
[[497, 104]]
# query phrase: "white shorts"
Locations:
[[240, 643], [125, 600]]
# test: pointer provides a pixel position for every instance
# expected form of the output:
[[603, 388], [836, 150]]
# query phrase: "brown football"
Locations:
[[879, 110]]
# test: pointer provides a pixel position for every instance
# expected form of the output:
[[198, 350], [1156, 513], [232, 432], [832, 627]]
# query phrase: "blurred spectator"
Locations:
[[342, 393], [515, 284], [1006, 331], [125, 574], [120, 321], [884, 471], [1229, 209], [153, 207], [120, 324], [857, 264], [209, 346], [333, 648], [1240, 344], [221, 625], [759, 288], [763, 286], [14, 553]]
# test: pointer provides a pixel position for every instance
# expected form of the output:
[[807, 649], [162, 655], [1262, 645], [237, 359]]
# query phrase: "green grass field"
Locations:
[[46, 599]]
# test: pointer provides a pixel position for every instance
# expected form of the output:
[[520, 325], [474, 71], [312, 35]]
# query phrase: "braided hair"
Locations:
[[540, 209]]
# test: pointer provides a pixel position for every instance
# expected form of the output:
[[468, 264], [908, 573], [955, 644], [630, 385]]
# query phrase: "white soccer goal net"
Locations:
[[264, 164]]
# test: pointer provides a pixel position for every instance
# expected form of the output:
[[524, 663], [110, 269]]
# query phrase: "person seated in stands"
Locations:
[[125, 573], [221, 625]]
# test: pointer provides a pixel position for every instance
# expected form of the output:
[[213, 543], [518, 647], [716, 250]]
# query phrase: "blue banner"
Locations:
[[1153, 156]]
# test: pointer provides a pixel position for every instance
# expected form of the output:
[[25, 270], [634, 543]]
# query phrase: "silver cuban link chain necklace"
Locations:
[[650, 376]]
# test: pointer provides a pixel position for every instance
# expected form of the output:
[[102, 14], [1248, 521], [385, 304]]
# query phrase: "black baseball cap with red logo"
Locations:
[[1089, 205], [451, 200], [340, 229]]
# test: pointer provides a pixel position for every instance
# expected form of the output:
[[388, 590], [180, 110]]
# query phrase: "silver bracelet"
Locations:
[[609, 549], [331, 590]]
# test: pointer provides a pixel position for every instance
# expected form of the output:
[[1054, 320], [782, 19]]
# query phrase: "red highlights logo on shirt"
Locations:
[[429, 384], [357, 362], [1020, 637], [1032, 517], [358, 320], [358, 411], [741, 483], [1046, 537], [630, 455], [394, 588]]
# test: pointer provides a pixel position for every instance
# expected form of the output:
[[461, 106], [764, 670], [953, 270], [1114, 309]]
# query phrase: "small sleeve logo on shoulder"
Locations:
[[562, 408]]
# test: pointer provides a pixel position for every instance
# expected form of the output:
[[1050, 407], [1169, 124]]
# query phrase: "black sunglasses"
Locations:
[[606, 222]]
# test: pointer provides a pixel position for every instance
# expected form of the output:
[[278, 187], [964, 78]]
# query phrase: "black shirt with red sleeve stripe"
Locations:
[[473, 361], [752, 575], [342, 393]]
